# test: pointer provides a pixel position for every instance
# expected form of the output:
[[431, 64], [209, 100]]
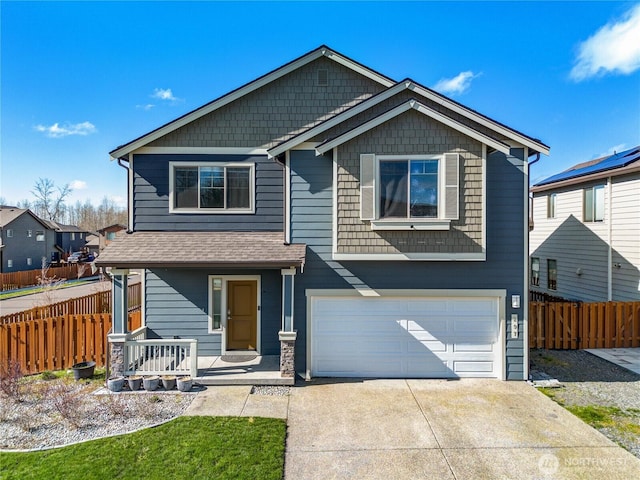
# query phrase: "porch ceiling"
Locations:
[[202, 249]]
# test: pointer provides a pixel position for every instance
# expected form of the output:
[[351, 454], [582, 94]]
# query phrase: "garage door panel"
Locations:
[[404, 337]]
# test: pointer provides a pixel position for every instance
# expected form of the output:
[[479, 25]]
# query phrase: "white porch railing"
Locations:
[[160, 356]]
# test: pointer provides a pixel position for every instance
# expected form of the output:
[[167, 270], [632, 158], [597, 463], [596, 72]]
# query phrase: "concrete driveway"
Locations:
[[423, 429]]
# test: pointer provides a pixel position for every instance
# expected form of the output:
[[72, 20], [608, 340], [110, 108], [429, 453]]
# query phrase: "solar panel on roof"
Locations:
[[617, 160]]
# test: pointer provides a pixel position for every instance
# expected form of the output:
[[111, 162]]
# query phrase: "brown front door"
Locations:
[[242, 317]]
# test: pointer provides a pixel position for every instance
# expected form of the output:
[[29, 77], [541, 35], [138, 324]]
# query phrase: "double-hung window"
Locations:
[[552, 201], [594, 204], [212, 188], [535, 271], [552, 274], [39, 235], [412, 192]]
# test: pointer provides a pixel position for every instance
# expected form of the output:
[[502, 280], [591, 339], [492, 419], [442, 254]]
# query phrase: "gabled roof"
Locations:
[[611, 165], [403, 107], [202, 249], [9, 214], [247, 88], [533, 144]]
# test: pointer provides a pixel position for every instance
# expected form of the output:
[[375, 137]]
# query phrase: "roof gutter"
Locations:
[[129, 187]]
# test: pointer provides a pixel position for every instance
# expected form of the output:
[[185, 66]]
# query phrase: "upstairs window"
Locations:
[[39, 235], [29, 233], [73, 236], [552, 200], [594, 204], [212, 188], [111, 235], [9, 233], [399, 193]]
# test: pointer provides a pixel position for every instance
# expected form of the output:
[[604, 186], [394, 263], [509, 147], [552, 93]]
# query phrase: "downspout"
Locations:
[[127, 168], [609, 241]]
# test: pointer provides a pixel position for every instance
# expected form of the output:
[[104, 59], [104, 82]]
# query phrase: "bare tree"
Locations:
[[50, 199]]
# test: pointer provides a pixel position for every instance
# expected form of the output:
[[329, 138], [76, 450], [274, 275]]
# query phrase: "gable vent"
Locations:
[[323, 78]]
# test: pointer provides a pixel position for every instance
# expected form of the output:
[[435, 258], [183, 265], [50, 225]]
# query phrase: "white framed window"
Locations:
[[29, 261], [9, 263], [215, 312], [552, 201], [409, 192], [535, 272], [39, 235], [594, 204], [73, 236], [9, 233], [29, 233], [552, 274], [211, 187], [81, 236]]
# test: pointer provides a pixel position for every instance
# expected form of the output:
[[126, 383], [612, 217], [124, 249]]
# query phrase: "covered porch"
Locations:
[[183, 333]]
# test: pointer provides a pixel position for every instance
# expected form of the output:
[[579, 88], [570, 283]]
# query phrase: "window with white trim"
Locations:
[[29, 233], [73, 236], [552, 201], [211, 188], [216, 304], [9, 233], [594, 204], [29, 261], [39, 235], [552, 274], [398, 192], [535, 272], [9, 263]]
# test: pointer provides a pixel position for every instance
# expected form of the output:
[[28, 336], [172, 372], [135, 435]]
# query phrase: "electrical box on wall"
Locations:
[[514, 325]]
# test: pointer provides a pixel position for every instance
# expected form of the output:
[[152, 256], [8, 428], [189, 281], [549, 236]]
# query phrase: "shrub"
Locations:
[[10, 376]]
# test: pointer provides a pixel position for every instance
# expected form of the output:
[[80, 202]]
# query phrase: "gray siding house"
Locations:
[[25, 240], [354, 225], [585, 242]]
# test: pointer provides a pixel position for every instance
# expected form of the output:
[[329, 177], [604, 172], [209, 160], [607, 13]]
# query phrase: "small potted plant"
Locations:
[[134, 381], [115, 384], [151, 383], [168, 382], [184, 383]]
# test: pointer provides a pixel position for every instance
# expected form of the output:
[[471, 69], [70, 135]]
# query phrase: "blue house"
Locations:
[[324, 213]]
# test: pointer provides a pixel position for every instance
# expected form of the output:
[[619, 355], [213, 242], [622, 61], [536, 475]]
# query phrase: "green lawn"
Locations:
[[185, 448], [36, 289]]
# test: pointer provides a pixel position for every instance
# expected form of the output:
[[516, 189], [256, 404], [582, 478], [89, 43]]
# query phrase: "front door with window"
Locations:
[[242, 314]]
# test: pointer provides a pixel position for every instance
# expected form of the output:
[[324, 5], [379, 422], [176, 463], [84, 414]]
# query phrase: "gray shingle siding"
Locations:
[[151, 196], [503, 269], [20, 247], [177, 304]]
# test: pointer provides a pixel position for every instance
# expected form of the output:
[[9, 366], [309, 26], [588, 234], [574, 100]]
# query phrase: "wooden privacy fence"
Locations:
[[28, 278], [572, 326], [99, 302], [57, 343]]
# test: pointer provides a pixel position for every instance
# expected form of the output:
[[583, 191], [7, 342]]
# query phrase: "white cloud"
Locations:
[[78, 185], [118, 200], [615, 48], [146, 107], [456, 85], [57, 131], [615, 149], [164, 94]]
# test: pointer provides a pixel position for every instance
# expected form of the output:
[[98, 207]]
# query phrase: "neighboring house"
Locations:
[[69, 239], [585, 242], [108, 234], [93, 243], [354, 225], [26, 240]]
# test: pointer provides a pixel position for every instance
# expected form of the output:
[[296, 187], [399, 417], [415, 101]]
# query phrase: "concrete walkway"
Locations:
[[628, 358], [417, 429]]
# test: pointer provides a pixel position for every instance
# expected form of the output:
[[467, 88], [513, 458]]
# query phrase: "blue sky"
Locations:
[[79, 79]]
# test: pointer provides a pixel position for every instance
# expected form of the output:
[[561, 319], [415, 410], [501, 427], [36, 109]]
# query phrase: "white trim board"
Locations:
[[427, 111], [248, 88], [202, 151], [442, 257]]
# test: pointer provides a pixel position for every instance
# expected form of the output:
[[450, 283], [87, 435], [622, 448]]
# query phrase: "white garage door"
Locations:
[[413, 337]]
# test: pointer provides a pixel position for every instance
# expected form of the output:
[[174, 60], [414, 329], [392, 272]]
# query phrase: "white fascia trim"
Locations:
[[334, 206], [387, 292], [524, 296], [324, 147], [130, 182], [507, 132], [202, 150], [305, 146], [248, 88], [440, 257], [338, 119], [484, 199]]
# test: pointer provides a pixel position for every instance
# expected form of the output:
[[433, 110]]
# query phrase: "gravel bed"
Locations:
[[59, 412], [275, 390], [587, 380]]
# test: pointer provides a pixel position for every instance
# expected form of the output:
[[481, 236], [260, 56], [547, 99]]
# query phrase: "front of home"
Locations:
[[353, 225], [585, 242]]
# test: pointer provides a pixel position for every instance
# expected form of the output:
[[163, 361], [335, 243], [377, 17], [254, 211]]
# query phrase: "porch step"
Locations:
[[245, 380]]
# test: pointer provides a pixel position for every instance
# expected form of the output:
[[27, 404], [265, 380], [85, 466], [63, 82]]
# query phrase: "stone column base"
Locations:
[[287, 354], [116, 357]]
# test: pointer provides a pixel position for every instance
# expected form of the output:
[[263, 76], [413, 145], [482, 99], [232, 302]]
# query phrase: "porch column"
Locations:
[[287, 334], [119, 321]]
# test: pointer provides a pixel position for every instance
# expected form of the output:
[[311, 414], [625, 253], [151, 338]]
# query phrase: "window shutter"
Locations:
[[367, 186], [451, 189]]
